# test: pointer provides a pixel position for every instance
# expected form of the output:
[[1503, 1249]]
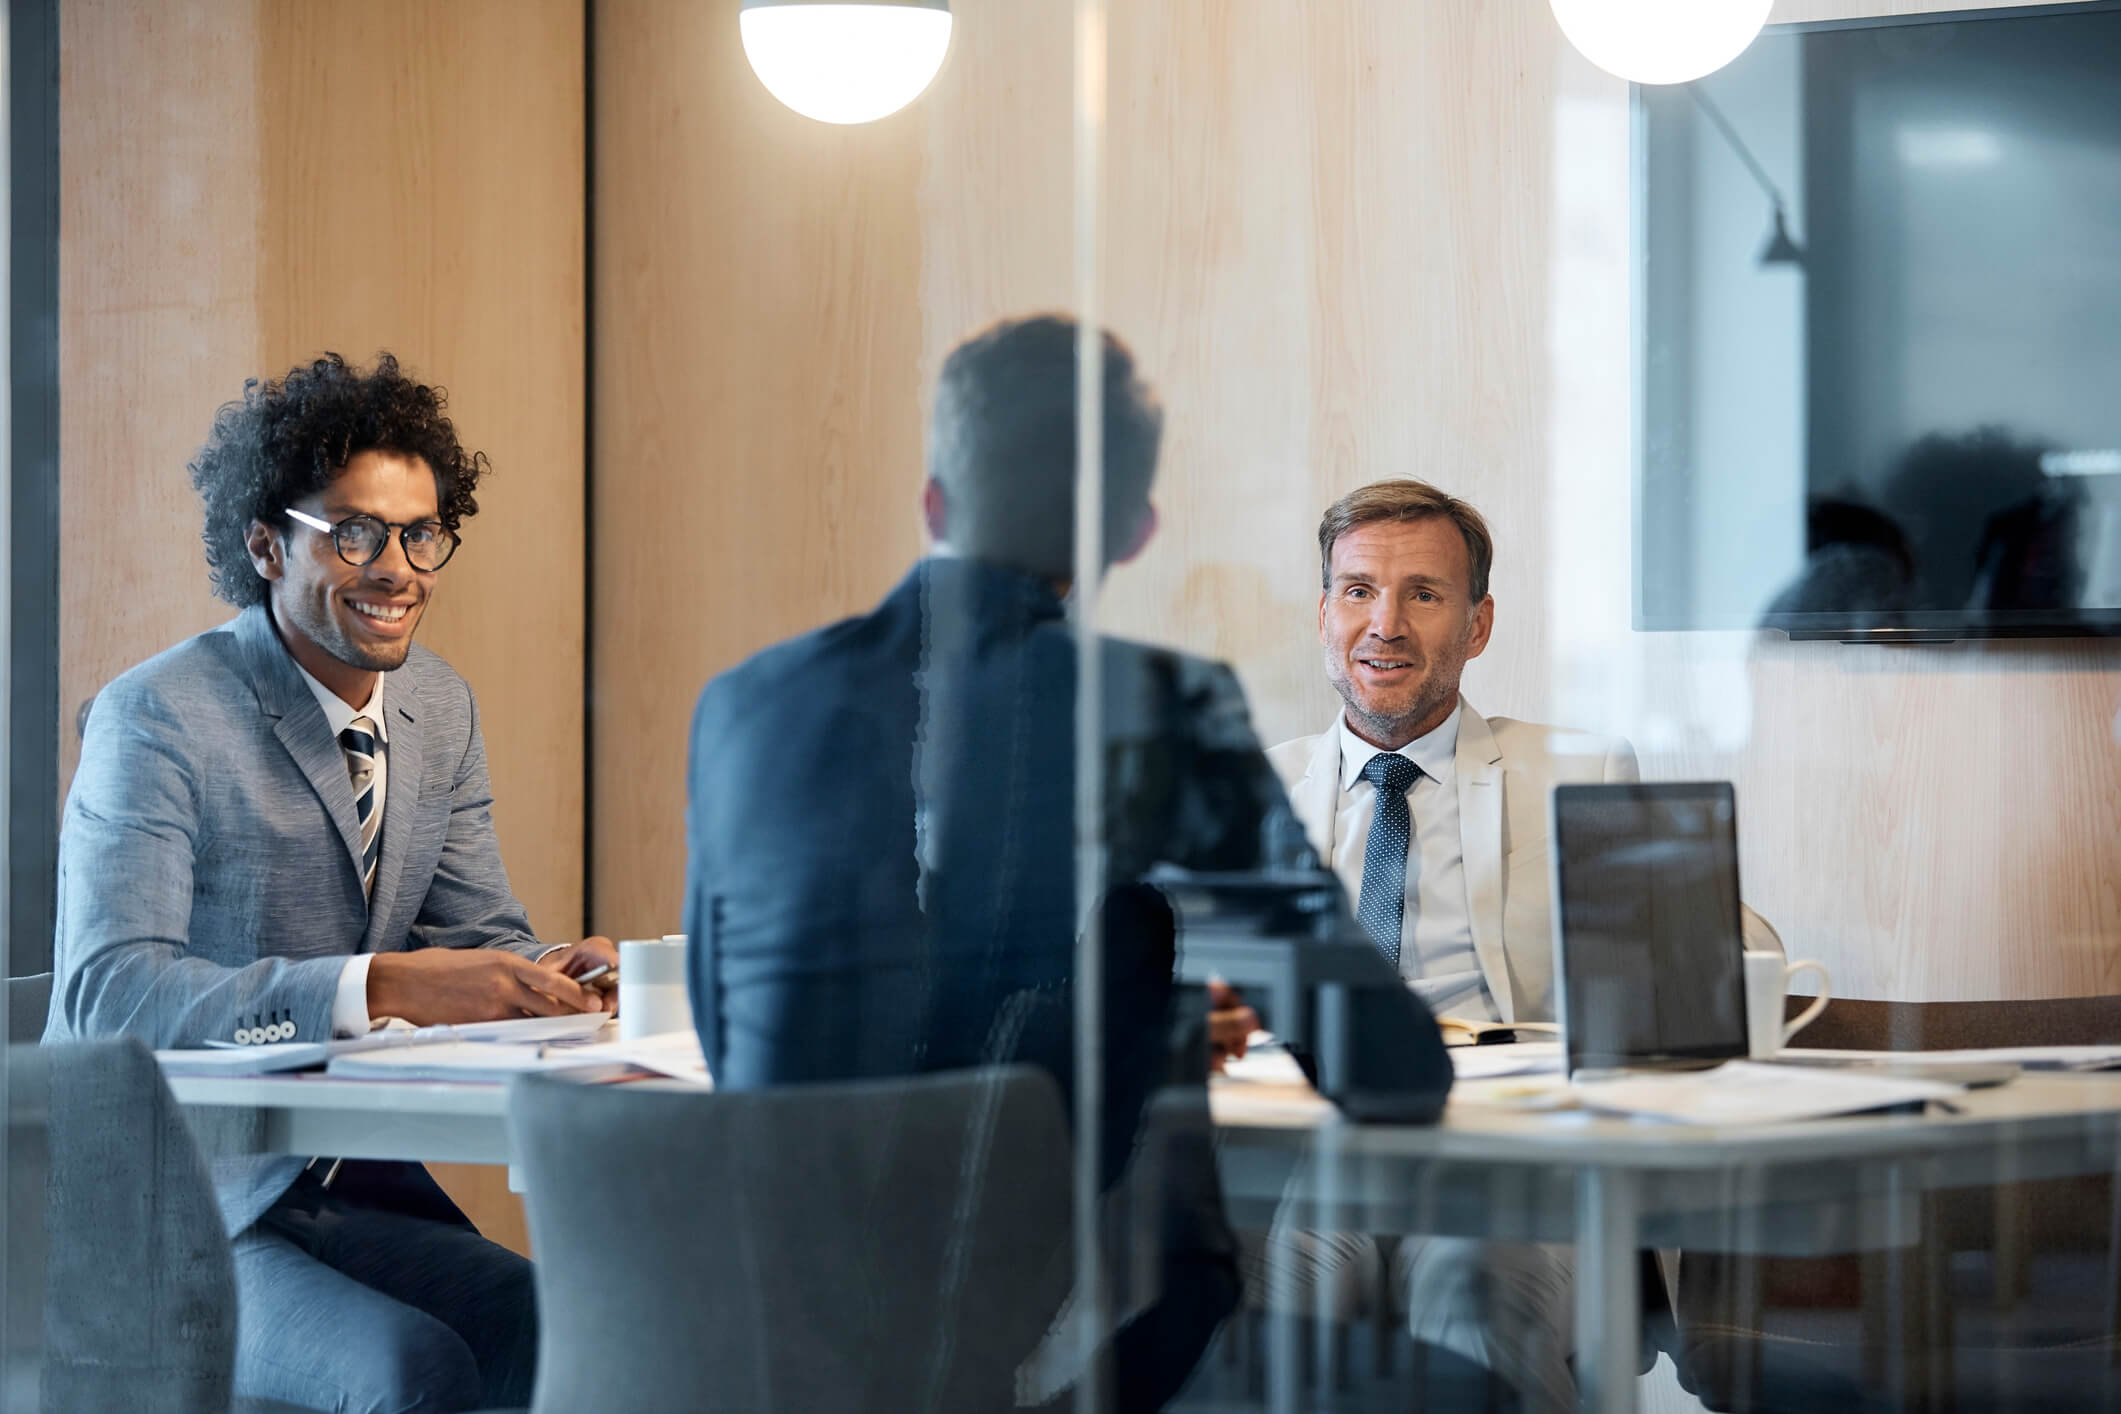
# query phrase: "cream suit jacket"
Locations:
[[1506, 771]]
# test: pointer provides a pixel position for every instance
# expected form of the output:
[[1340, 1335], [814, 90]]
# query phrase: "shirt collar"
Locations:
[[1435, 753], [341, 716]]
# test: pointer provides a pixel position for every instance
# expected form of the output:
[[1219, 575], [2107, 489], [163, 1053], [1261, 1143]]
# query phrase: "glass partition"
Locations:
[[1180, 664], [1485, 381]]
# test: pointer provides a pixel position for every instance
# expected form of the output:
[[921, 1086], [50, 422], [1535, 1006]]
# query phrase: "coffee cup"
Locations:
[[653, 992], [1767, 985]]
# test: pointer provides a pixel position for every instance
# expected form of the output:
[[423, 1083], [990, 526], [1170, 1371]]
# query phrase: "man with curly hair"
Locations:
[[281, 830]]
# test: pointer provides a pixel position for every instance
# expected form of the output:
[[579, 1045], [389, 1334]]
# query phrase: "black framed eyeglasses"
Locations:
[[361, 538]]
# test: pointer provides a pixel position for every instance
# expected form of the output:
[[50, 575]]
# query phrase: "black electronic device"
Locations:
[[1649, 943]]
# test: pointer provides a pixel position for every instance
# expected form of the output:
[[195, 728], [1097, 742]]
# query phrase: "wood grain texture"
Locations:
[[423, 193], [247, 184], [1342, 280], [758, 448], [159, 323], [1348, 241]]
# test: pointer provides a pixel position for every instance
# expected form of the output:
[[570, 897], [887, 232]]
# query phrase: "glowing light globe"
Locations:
[[1661, 41], [845, 63]]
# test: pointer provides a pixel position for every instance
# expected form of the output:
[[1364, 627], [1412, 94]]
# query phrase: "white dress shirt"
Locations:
[[349, 1007], [1436, 956]]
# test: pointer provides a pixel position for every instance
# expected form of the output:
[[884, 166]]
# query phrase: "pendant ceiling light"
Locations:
[[1661, 41], [845, 61]]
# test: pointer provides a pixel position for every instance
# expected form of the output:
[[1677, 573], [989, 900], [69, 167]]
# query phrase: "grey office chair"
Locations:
[[140, 1301], [111, 1212], [2010, 1300], [29, 999], [816, 1249]]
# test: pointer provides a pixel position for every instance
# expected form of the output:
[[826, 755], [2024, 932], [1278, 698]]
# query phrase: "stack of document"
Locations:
[[674, 1056], [222, 1058], [1491, 1062], [1741, 1092], [483, 1061]]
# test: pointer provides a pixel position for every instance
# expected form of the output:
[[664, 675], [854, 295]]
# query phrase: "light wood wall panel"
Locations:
[[159, 276], [1349, 240], [423, 192], [757, 435], [1341, 280], [249, 182]]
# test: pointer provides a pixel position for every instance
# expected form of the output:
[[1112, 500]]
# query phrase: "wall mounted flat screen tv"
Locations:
[[1878, 331]]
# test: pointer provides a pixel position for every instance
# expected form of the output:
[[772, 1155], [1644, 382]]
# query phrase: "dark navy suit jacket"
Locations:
[[882, 870]]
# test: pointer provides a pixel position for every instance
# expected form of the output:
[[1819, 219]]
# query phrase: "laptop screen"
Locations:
[[1649, 949]]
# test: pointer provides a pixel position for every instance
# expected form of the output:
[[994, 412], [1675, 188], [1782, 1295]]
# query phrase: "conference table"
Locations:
[[1610, 1186]]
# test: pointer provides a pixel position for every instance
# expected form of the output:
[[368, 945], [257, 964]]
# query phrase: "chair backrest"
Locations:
[[894, 1245], [29, 1000], [139, 1284], [1853, 1025]]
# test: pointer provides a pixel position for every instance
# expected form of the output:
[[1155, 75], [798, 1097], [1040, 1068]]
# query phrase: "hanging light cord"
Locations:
[[1730, 134]]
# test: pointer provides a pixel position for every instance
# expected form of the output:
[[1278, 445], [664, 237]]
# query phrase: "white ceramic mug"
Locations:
[[653, 996], [1767, 984]]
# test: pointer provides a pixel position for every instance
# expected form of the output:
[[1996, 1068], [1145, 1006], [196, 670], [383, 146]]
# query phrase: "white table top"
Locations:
[[322, 1092], [2037, 1107], [1820, 1186]]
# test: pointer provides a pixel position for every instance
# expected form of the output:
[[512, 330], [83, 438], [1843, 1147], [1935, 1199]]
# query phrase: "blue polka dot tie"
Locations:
[[1384, 859]]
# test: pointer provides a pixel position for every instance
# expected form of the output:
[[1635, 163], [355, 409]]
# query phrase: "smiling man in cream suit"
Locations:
[[1435, 819], [1454, 888]]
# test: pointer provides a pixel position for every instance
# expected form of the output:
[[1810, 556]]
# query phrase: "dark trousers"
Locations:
[[377, 1296]]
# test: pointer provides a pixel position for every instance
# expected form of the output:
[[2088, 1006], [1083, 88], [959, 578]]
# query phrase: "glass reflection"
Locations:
[[916, 912], [1933, 351]]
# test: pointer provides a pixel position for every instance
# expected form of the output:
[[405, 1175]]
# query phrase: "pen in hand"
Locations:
[[603, 977]]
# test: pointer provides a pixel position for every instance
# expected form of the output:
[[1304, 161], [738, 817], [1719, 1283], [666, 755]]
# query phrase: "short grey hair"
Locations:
[[1402, 501], [1001, 445]]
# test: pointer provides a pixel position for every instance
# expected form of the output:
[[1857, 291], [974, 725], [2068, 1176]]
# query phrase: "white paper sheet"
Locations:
[[475, 1061], [1740, 1092], [675, 1055], [1516, 1058]]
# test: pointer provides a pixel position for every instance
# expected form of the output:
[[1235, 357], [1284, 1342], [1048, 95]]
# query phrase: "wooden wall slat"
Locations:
[[159, 276], [423, 192], [1349, 241], [758, 442]]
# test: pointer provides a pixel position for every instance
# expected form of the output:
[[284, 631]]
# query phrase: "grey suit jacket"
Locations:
[[209, 875]]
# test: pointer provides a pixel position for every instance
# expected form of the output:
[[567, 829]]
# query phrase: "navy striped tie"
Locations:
[[1383, 902], [359, 739]]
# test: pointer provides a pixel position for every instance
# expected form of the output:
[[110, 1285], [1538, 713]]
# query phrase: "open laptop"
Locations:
[[1649, 938], [1649, 947]]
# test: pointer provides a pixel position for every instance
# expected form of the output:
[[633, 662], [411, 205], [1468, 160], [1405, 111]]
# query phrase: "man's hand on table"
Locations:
[[577, 958], [1230, 1021], [435, 986]]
